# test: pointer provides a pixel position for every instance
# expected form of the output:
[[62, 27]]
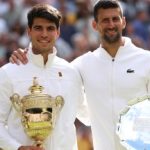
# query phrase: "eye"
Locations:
[[51, 28], [37, 28], [116, 19]]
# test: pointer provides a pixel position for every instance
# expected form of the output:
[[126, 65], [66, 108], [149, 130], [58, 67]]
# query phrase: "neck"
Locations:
[[112, 48], [45, 58], [44, 54]]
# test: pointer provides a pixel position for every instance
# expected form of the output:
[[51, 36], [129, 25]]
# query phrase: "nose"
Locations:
[[44, 33], [111, 23]]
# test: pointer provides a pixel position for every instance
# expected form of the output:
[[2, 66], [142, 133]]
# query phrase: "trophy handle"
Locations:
[[59, 101], [15, 98], [57, 106]]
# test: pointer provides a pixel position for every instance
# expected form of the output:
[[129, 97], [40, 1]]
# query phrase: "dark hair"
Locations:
[[106, 4], [44, 11]]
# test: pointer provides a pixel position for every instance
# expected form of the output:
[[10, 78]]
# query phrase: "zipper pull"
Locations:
[[113, 59]]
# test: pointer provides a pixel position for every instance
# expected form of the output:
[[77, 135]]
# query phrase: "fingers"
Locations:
[[30, 148], [13, 59], [19, 56], [26, 50]]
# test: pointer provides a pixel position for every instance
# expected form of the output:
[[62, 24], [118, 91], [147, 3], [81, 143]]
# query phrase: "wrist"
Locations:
[[20, 148]]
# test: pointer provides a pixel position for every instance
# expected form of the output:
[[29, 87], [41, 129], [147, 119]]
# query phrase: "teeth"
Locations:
[[43, 41], [111, 32]]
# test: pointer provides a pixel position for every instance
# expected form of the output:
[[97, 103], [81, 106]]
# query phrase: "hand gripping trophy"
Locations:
[[38, 112]]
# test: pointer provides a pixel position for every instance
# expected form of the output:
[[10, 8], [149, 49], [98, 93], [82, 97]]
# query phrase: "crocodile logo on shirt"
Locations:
[[130, 71]]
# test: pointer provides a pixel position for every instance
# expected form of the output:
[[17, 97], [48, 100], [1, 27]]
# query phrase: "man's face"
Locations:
[[110, 24], [43, 34]]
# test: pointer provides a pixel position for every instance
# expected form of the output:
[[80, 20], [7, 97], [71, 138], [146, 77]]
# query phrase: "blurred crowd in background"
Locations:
[[77, 36]]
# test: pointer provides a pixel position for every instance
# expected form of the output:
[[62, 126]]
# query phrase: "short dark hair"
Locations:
[[106, 4], [44, 11]]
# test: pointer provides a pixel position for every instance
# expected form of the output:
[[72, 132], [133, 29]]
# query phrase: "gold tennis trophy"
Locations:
[[38, 112]]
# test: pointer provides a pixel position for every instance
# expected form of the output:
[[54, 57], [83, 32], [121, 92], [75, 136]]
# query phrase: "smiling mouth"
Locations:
[[111, 31], [43, 41]]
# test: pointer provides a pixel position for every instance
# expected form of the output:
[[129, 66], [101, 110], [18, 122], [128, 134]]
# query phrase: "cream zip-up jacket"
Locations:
[[57, 77], [109, 84]]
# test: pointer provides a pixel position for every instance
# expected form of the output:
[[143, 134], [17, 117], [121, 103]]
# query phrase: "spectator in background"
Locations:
[[68, 9], [80, 44], [84, 23], [137, 40], [142, 27], [81, 24], [64, 49]]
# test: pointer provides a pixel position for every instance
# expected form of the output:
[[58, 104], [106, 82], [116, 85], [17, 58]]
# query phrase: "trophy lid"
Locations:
[[35, 88], [36, 98]]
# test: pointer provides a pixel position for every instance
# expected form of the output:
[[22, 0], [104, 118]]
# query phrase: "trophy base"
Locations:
[[38, 131], [38, 144]]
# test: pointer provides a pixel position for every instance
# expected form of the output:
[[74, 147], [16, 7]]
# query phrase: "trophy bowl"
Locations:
[[133, 127], [38, 112]]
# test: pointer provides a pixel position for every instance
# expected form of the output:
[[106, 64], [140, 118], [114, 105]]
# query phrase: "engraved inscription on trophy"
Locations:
[[38, 112]]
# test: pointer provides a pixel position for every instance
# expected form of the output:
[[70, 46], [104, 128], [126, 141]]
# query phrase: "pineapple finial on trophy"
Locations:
[[35, 88]]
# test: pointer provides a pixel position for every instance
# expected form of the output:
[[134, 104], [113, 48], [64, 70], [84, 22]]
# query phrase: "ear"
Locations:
[[58, 32], [123, 22], [94, 24]]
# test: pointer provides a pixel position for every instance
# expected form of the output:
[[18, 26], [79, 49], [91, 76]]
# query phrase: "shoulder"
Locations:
[[8, 67], [14, 71], [63, 64], [132, 49], [83, 57], [5, 72], [141, 51], [86, 58], [13, 68]]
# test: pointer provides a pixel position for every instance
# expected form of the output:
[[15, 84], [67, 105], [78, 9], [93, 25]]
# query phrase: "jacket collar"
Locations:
[[38, 59], [121, 51]]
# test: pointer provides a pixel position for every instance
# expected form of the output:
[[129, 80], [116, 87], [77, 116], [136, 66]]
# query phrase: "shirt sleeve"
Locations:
[[148, 83], [6, 141], [83, 111]]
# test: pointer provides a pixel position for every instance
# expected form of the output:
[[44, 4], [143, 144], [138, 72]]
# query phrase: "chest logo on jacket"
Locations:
[[130, 71]]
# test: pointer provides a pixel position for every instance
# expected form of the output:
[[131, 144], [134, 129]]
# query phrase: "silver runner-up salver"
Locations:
[[133, 127], [38, 112]]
